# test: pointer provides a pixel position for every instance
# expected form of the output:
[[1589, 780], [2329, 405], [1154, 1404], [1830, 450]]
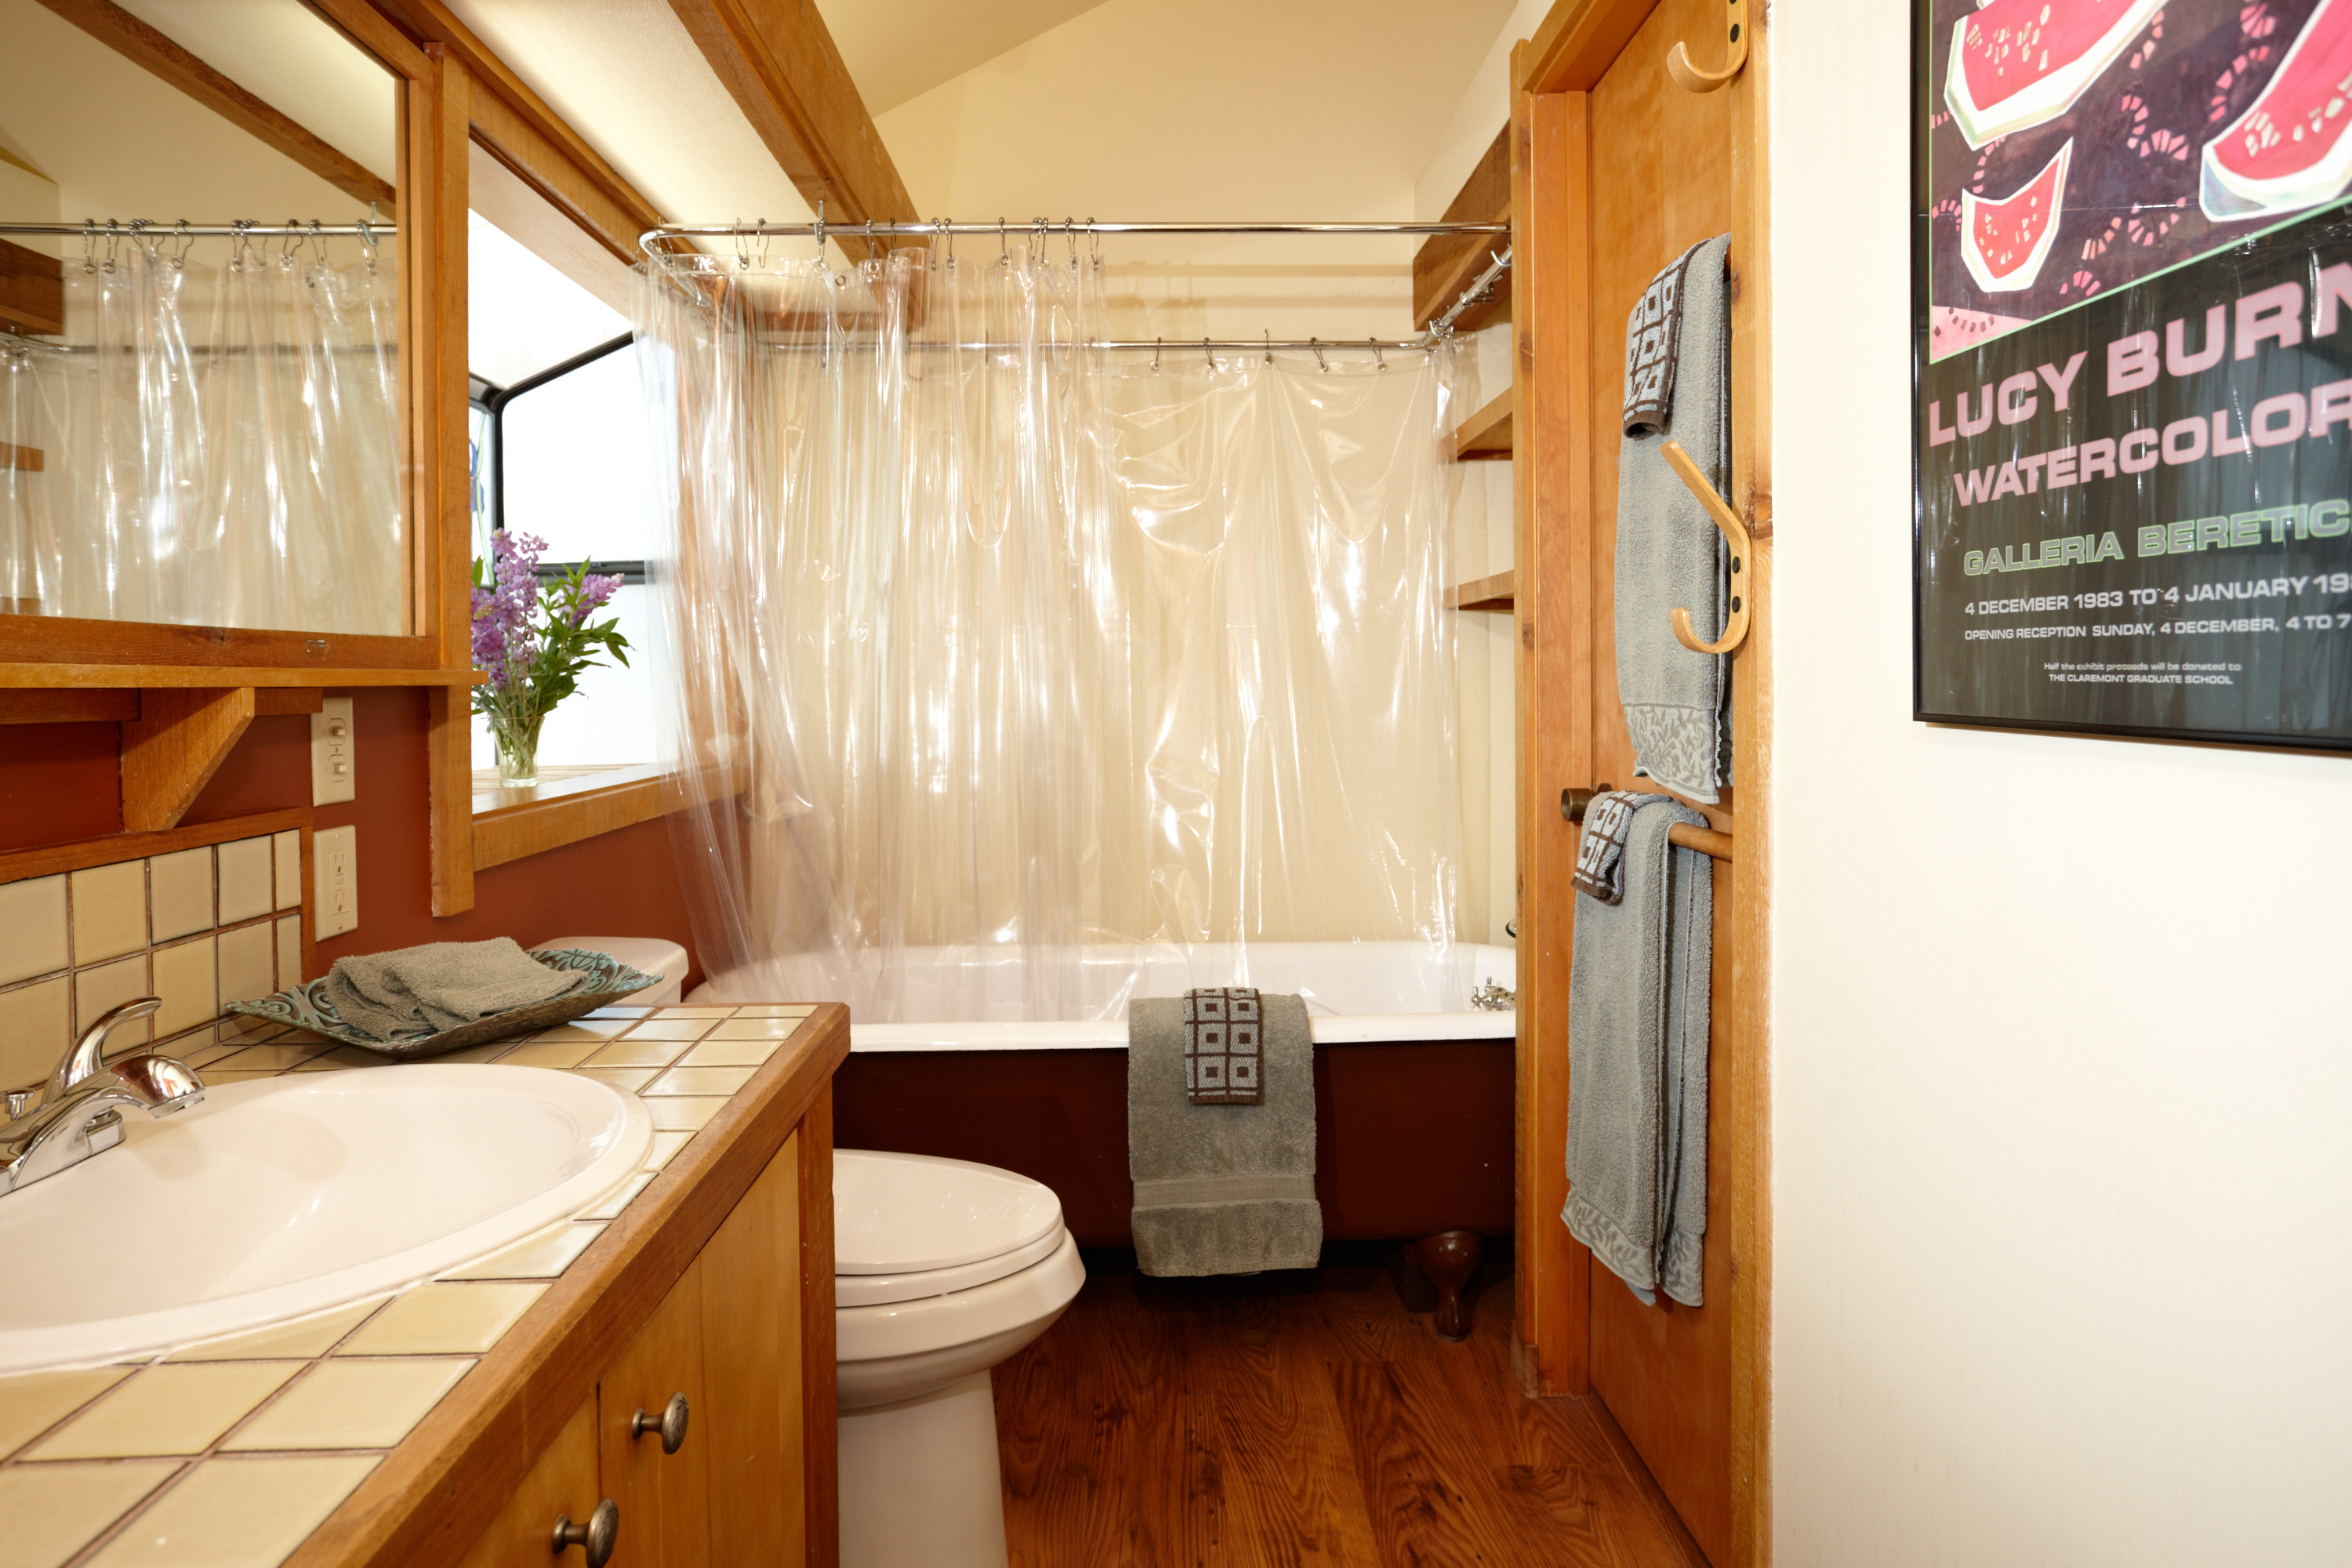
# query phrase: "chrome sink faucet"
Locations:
[[79, 1112]]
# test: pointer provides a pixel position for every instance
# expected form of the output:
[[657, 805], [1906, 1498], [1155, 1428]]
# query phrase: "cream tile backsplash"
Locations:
[[200, 928]]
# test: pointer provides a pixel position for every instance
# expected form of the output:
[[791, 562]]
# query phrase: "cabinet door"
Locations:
[[664, 1498], [751, 1345], [561, 1485]]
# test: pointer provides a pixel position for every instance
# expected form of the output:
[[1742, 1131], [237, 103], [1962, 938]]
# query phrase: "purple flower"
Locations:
[[594, 593]]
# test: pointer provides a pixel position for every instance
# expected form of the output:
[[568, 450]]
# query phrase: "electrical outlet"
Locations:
[[334, 756], [335, 861]]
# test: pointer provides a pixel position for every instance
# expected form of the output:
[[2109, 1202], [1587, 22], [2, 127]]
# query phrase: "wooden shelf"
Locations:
[[1486, 435], [1498, 593], [1448, 264], [509, 824]]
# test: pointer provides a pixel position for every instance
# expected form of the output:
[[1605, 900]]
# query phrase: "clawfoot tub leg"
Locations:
[[1449, 1259]]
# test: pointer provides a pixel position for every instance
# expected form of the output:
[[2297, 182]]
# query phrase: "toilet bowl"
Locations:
[[942, 1269]]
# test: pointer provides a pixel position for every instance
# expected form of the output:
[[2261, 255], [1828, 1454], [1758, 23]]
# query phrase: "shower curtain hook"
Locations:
[[113, 244], [1208, 355], [947, 237], [760, 226], [1268, 333], [1093, 240], [1378, 359], [1003, 246], [319, 242], [1155, 355], [187, 243], [1070, 237], [89, 245], [819, 228], [1317, 344]]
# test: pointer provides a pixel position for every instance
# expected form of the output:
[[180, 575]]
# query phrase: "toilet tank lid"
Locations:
[[652, 954], [901, 1213]]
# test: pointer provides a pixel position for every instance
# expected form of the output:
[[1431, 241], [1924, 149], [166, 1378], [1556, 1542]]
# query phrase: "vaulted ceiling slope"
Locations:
[[900, 49]]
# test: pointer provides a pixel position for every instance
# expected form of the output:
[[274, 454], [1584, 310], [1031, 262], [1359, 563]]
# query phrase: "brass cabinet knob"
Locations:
[[598, 1536], [672, 1424]]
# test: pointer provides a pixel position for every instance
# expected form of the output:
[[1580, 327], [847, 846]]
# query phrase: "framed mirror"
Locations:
[[207, 442]]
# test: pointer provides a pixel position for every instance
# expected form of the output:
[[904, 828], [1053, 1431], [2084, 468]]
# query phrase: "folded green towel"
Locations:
[[415, 991]]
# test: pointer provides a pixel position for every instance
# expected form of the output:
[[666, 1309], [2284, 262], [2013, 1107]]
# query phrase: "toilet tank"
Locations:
[[653, 954]]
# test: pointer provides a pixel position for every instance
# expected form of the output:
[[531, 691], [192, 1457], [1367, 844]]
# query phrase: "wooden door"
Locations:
[[664, 1498], [561, 1485], [1617, 170]]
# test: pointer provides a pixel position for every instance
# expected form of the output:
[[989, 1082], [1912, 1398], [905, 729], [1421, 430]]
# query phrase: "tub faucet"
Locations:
[[79, 1112]]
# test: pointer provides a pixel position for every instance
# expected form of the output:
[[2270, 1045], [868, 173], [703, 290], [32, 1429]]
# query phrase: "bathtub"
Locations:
[[1413, 1131]]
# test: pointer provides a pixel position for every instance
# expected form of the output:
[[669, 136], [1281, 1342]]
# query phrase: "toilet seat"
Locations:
[[910, 1226], [880, 1289]]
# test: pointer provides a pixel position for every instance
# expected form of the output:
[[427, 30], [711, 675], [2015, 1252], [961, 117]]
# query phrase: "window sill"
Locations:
[[569, 805]]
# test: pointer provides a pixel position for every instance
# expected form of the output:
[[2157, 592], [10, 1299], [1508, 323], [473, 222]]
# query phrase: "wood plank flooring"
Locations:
[[1303, 1420]]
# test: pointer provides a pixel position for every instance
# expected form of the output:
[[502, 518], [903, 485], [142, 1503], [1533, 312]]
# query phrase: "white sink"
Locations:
[[279, 1197]]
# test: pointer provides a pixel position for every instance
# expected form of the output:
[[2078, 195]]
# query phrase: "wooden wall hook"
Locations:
[[1690, 78], [1735, 533]]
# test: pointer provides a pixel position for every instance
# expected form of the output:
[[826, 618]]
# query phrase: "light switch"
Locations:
[[335, 862], [334, 759]]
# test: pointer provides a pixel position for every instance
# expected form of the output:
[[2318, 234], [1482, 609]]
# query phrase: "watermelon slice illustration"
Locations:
[[2004, 243], [2018, 63], [2291, 148]]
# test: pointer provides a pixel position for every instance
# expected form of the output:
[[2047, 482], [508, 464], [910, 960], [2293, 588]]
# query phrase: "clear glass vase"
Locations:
[[518, 744]]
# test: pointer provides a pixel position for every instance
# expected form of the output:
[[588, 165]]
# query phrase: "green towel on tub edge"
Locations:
[[1222, 1189]]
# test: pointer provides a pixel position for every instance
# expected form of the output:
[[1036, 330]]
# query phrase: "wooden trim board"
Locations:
[[1497, 593], [49, 860], [1486, 435], [533, 821]]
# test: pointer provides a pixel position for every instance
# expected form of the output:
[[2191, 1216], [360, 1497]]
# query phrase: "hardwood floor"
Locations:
[[1304, 1418]]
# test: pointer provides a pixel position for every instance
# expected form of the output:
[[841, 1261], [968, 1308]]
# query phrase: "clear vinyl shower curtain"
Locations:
[[1016, 678], [218, 447]]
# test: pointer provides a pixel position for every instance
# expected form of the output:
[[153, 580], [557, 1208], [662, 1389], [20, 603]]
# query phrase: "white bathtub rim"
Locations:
[[1111, 1034]]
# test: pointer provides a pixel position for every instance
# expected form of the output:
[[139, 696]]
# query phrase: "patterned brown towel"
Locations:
[[1224, 1030], [1599, 853]]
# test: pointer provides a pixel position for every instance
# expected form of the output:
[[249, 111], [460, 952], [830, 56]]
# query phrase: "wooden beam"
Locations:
[[1446, 264], [780, 65], [69, 705], [128, 36], [543, 164], [1486, 435], [172, 749], [552, 156], [359, 21], [32, 292]]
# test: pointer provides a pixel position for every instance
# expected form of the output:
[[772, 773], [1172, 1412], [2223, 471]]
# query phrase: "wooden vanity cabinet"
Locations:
[[715, 1283]]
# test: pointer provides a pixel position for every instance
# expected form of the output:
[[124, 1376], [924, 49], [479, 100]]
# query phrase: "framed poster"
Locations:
[[2132, 367]]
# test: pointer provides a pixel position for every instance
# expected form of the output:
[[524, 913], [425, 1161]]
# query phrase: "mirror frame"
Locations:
[[51, 651]]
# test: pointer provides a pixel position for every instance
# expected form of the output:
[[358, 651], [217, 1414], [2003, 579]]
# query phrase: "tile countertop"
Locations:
[[228, 1453]]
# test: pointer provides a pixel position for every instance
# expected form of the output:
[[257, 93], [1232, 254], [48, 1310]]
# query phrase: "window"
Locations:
[[558, 452]]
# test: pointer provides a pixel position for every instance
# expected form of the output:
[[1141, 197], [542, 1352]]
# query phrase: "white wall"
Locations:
[[2059, 1066]]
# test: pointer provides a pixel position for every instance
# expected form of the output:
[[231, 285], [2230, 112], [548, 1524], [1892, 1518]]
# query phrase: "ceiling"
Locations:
[[900, 49], [625, 75]]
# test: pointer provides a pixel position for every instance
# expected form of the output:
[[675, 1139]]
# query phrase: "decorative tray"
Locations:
[[306, 1006]]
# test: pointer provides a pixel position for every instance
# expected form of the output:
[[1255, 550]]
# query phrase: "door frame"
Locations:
[[1552, 77]]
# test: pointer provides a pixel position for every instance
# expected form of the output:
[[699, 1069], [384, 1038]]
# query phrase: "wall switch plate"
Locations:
[[335, 866], [334, 757]]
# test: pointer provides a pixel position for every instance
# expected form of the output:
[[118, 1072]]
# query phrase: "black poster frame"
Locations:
[[1924, 95]]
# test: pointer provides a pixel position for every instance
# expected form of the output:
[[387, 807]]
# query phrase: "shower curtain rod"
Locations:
[[1043, 227], [1440, 326], [140, 229]]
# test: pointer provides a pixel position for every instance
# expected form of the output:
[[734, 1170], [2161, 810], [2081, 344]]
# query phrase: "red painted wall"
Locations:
[[59, 782]]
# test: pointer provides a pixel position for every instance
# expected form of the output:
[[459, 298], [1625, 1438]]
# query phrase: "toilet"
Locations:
[[649, 954], [942, 1269]]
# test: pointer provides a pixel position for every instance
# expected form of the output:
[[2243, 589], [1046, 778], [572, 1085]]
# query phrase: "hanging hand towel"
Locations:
[[1222, 1188], [1669, 554], [1639, 987]]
